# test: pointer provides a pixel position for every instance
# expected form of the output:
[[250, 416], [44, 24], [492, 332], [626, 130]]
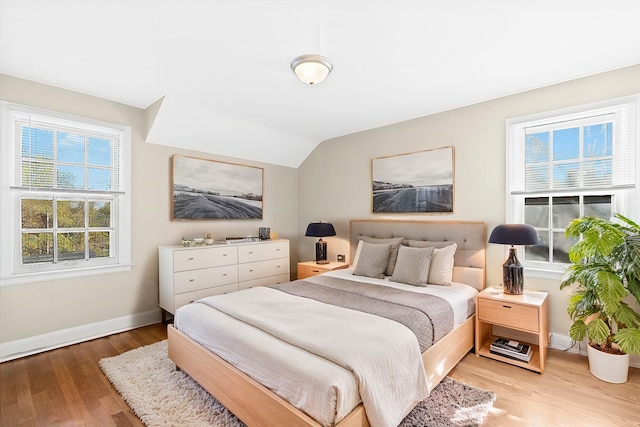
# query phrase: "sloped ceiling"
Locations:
[[218, 71]]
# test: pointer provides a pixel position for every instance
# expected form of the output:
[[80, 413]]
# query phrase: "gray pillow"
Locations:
[[412, 266], [373, 260], [395, 242], [442, 261]]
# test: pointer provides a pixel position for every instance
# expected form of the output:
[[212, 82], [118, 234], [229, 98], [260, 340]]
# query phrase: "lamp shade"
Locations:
[[311, 69], [320, 229], [514, 234]]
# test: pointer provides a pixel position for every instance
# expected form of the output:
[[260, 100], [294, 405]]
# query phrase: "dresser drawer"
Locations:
[[509, 314], [189, 297], [264, 281], [191, 259], [263, 251], [256, 270], [192, 280]]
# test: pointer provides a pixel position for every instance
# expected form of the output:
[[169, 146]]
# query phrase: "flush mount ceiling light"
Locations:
[[311, 69]]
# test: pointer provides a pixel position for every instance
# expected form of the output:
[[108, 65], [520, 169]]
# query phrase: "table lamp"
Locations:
[[320, 229], [512, 270]]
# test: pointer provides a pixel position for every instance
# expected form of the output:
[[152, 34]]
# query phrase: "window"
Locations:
[[65, 196], [569, 164]]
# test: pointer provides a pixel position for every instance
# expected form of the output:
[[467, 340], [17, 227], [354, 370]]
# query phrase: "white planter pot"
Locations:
[[613, 368]]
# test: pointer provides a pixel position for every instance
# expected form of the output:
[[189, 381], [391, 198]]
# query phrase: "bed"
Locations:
[[257, 404]]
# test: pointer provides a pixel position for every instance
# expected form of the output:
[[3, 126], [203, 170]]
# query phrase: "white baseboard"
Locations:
[[565, 343], [52, 340]]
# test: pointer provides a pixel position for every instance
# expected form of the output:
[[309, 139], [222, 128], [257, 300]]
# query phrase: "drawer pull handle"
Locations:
[[316, 271], [190, 302], [192, 280], [190, 258], [250, 271], [506, 306], [224, 254], [278, 250], [224, 275]]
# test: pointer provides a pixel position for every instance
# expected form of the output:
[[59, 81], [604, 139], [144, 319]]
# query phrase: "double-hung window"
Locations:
[[65, 196], [569, 164]]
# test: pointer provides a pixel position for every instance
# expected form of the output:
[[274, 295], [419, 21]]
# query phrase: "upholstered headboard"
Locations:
[[470, 237]]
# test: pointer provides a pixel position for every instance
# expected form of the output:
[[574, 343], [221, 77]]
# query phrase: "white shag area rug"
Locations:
[[160, 395]]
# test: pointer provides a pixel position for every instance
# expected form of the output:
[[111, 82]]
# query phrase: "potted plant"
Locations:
[[606, 267]]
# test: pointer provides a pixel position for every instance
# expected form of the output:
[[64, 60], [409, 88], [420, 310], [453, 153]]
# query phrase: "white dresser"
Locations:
[[190, 273]]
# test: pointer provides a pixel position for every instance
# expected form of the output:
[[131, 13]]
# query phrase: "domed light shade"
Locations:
[[311, 69]]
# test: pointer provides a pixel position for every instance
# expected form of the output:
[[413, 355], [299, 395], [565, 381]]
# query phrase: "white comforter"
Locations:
[[330, 391], [391, 378]]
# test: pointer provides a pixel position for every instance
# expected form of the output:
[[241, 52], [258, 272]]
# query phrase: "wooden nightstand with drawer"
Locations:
[[523, 318], [310, 268]]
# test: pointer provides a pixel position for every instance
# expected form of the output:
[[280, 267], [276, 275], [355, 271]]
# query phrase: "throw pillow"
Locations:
[[442, 260], [412, 266], [395, 243], [373, 260], [441, 271]]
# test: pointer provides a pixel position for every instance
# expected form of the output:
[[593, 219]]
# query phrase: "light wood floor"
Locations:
[[66, 387]]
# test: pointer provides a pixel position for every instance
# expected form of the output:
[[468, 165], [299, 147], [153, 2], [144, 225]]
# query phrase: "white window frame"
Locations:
[[625, 201], [12, 273]]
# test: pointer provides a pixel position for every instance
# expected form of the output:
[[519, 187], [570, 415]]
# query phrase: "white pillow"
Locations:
[[441, 269], [357, 256]]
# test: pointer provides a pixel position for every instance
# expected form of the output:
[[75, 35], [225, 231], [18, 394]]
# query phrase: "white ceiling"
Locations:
[[222, 66]]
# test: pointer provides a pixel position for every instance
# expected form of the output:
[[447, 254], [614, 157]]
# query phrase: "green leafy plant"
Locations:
[[606, 267]]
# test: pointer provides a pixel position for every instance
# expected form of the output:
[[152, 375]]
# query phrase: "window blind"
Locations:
[[592, 150], [51, 154]]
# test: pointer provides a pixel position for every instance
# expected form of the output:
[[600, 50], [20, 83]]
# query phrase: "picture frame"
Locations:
[[419, 182], [210, 189]]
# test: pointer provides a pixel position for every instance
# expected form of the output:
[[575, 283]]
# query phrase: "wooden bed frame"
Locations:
[[256, 405]]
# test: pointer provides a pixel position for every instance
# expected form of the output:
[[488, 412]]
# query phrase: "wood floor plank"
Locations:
[[15, 392], [67, 387], [565, 395]]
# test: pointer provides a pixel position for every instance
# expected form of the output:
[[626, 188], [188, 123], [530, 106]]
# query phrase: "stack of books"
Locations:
[[511, 349]]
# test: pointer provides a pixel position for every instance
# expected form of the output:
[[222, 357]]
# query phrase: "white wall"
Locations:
[[52, 310], [335, 180]]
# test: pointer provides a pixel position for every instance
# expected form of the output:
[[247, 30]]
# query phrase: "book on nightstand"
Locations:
[[511, 349]]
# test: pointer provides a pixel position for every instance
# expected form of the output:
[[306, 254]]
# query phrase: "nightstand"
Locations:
[[523, 318], [310, 268]]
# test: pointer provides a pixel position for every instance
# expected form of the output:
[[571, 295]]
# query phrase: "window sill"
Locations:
[[539, 273], [23, 279]]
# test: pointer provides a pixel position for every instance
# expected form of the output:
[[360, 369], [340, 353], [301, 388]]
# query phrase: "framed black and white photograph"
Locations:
[[420, 182], [208, 189]]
